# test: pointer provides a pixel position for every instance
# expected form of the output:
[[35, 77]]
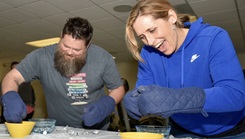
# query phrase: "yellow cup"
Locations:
[[20, 130], [140, 135]]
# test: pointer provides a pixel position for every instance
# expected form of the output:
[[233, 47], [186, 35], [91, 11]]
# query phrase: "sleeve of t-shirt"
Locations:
[[111, 75], [29, 67]]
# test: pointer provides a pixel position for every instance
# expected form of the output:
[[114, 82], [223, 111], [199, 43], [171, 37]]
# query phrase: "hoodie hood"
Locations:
[[195, 28]]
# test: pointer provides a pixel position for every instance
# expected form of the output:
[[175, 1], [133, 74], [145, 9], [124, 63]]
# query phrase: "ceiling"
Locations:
[[28, 20]]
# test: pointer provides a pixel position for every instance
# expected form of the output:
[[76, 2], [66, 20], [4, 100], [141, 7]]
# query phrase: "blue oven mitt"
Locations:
[[156, 100], [98, 111], [14, 109], [130, 102]]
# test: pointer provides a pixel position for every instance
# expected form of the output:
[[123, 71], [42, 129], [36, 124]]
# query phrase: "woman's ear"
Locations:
[[172, 16]]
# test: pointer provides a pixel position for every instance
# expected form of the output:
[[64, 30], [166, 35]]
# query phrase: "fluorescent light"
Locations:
[[44, 42]]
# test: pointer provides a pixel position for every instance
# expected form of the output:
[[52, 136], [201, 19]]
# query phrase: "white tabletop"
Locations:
[[66, 133], [61, 132]]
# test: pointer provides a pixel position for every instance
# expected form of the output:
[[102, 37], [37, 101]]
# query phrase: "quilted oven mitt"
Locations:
[[98, 111], [130, 102], [156, 100], [14, 107]]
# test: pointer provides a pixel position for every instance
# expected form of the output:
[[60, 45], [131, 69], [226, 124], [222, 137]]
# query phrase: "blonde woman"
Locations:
[[190, 75]]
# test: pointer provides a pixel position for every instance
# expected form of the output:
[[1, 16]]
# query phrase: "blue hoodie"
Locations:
[[206, 59]]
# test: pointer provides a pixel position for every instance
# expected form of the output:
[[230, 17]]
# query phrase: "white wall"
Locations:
[[128, 71], [241, 57]]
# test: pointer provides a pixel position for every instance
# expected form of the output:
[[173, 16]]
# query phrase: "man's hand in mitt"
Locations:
[[98, 111], [14, 109]]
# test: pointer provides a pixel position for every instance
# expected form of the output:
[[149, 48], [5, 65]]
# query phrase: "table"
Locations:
[[61, 132], [66, 133]]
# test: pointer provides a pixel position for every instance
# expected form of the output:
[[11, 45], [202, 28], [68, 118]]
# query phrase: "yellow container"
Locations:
[[20, 130], [140, 135]]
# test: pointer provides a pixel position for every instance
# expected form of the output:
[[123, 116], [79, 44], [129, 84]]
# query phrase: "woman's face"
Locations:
[[158, 33]]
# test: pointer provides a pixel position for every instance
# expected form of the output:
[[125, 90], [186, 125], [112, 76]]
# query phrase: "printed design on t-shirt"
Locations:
[[77, 89]]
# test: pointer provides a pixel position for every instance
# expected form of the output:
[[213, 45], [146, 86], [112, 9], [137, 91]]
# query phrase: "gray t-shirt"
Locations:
[[60, 92]]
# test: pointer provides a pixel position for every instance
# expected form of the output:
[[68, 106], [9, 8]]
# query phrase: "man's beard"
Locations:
[[68, 67]]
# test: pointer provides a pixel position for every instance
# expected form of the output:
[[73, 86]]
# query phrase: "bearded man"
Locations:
[[73, 74]]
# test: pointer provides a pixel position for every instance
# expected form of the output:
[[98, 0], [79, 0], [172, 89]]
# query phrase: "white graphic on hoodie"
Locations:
[[194, 57]]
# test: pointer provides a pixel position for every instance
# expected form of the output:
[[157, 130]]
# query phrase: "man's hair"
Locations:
[[78, 28], [13, 63]]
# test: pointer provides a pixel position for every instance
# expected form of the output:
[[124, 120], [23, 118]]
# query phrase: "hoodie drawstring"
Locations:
[[182, 67]]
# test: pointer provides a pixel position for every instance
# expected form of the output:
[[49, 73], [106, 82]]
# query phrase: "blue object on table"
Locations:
[[43, 126], [165, 130]]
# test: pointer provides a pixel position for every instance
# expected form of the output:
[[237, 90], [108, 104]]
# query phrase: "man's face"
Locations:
[[70, 56]]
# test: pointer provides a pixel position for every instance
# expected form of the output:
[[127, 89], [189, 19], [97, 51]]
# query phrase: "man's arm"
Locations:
[[11, 81], [117, 93], [13, 105]]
